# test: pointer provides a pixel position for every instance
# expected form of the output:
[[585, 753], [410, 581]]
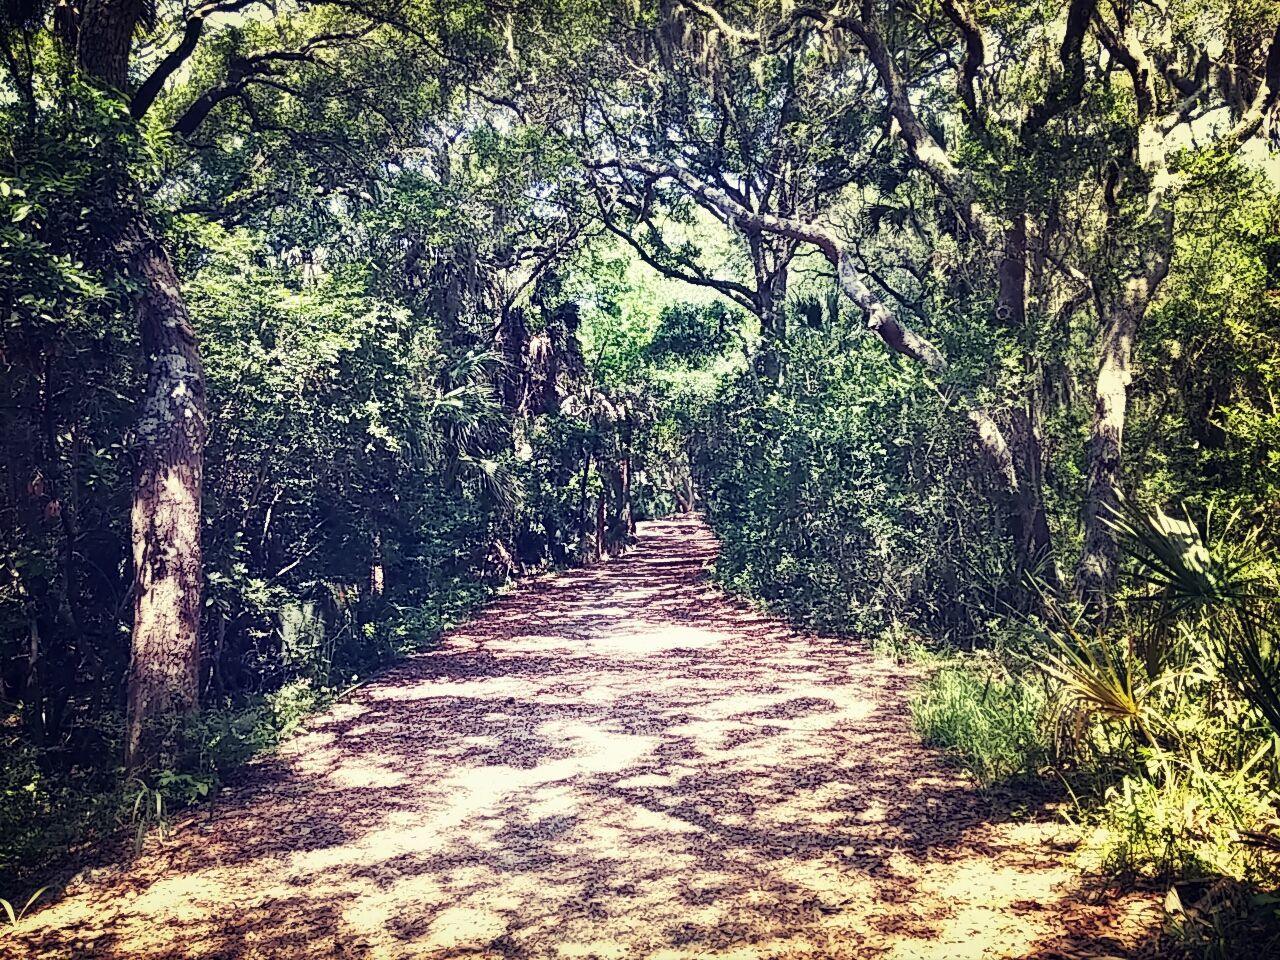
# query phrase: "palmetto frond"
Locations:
[[466, 411], [1220, 590], [1099, 678], [1174, 557], [490, 476]]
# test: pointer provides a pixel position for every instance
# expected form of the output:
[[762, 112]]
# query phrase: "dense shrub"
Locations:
[[845, 500]]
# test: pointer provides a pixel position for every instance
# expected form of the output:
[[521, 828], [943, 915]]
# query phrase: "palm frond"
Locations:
[[1220, 587], [490, 476], [1099, 679]]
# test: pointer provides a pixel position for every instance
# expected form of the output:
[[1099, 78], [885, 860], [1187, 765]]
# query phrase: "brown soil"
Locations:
[[614, 762]]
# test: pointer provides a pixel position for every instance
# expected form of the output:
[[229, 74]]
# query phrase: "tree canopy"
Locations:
[[323, 319]]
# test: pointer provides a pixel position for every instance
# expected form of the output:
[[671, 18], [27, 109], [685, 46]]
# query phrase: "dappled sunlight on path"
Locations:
[[613, 762]]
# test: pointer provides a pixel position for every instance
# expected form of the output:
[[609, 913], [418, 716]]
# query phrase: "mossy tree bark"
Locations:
[[165, 657], [163, 682]]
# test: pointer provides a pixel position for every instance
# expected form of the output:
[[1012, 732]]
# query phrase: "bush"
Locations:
[[42, 816], [838, 503], [1180, 822], [992, 723]]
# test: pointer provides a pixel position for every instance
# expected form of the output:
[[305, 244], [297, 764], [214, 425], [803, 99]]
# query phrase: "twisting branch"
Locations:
[[244, 71], [975, 54], [879, 318], [739, 214], [150, 88], [928, 155], [1265, 103], [924, 150], [684, 271], [800, 13], [881, 321], [1069, 88], [1125, 47]]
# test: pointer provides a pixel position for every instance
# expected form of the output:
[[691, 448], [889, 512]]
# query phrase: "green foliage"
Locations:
[[1205, 418], [838, 499], [1223, 594], [44, 814], [692, 334], [1177, 820], [1099, 679], [379, 458], [1157, 719], [992, 721]]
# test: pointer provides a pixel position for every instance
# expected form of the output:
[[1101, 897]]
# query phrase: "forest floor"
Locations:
[[618, 761]]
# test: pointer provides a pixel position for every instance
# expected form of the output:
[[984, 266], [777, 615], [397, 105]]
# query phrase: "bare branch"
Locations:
[[882, 322]]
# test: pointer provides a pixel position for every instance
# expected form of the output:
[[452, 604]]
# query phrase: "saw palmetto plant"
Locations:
[[1219, 592], [1100, 679]]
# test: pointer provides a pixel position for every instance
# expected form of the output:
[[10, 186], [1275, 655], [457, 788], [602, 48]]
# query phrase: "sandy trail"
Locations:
[[614, 762]]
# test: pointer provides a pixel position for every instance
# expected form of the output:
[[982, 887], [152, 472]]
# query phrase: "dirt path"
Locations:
[[617, 762]]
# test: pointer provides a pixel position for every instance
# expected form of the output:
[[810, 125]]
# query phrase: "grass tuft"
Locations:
[[991, 722]]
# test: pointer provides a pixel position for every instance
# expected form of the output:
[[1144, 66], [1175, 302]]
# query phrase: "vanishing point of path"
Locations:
[[613, 762]]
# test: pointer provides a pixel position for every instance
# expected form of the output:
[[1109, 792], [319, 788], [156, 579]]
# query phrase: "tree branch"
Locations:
[[924, 150], [245, 70], [1069, 88], [975, 54], [150, 88], [1264, 104], [737, 292]]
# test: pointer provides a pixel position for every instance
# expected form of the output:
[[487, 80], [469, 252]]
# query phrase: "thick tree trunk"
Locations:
[[583, 504], [1099, 559], [165, 655], [103, 39], [163, 674], [1028, 520], [619, 524], [628, 514], [770, 266], [600, 545]]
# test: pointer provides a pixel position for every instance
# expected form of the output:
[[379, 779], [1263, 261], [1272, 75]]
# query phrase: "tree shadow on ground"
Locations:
[[613, 762]]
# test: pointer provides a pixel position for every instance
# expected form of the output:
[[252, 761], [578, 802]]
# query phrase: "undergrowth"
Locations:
[[1162, 721], [52, 816], [992, 721]]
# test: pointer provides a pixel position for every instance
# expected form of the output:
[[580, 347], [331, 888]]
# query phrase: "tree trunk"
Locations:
[[1027, 521], [770, 266], [165, 654], [377, 572], [103, 39], [628, 514], [1100, 557], [1096, 573], [163, 673], [583, 504], [600, 546]]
